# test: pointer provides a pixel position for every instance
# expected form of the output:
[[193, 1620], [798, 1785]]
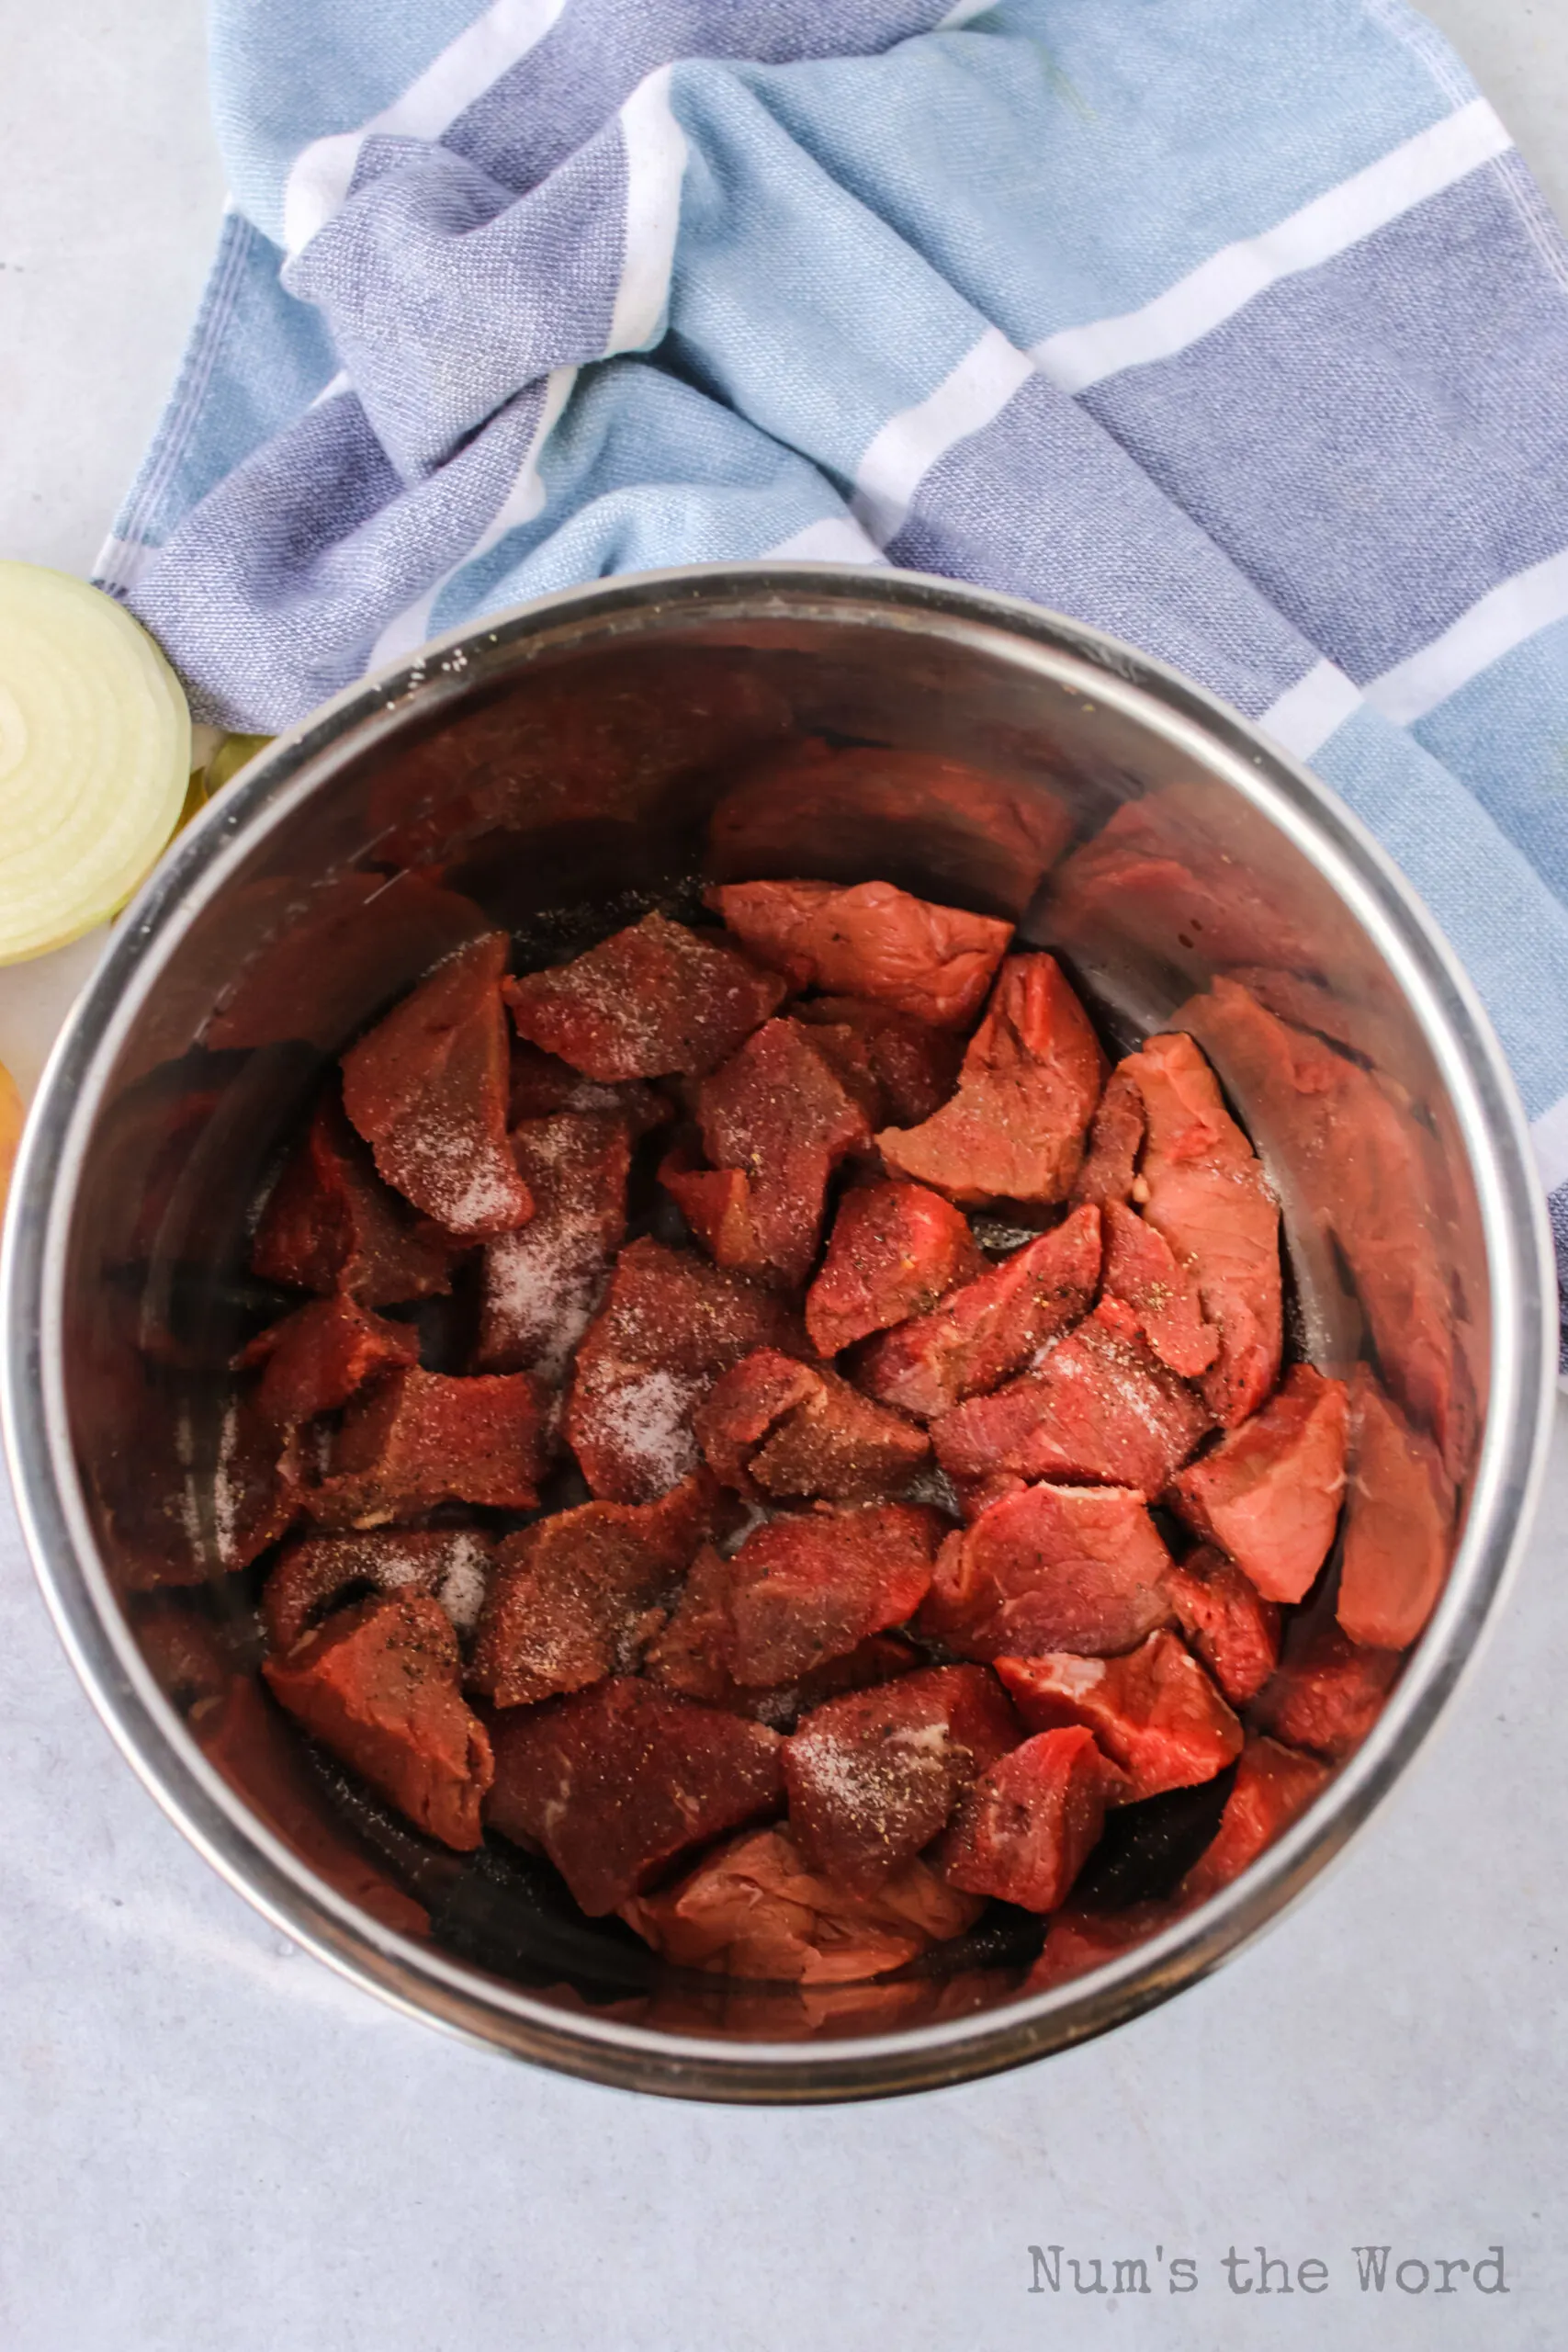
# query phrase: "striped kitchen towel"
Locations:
[[1239, 330]]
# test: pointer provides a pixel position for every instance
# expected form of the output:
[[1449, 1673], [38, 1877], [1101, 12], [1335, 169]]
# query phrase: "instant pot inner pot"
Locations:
[[562, 795]]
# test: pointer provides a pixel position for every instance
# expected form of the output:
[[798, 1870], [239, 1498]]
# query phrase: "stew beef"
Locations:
[[922, 1487]]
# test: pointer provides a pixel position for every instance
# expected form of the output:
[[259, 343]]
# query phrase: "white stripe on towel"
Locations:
[[910, 443], [1498, 622], [832, 538], [656, 164], [1548, 1134], [1307, 714], [409, 629], [1422, 167], [319, 175]]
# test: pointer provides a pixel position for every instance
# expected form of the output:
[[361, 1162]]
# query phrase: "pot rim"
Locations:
[[486, 2010]]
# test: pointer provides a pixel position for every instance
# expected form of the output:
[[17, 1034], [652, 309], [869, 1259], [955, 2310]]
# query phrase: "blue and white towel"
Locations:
[[1237, 329]]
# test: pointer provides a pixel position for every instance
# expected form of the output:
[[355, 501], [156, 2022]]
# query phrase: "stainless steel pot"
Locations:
[[566, 763]]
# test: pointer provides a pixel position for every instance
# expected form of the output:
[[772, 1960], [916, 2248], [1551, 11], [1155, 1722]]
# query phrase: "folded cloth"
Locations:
[[1237, 330]]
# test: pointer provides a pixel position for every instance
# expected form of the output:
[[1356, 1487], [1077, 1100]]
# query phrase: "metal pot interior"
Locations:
[[560, 781]]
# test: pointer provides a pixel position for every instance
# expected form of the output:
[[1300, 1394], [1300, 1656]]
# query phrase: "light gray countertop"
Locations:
[[208, 2143]]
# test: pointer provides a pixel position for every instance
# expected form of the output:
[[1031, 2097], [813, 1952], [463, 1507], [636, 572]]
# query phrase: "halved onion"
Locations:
[[94, 758]]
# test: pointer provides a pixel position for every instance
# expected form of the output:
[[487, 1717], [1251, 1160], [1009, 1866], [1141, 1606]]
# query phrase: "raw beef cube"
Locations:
[[1141, 1269], [379, 1686], [744, 1408], [331, 1225], [873, 1778], [909, 1066], [1234, 1629], [893, 1250], [1203, 1186], [756, 1909], [671, 1323], [1270, 1492], [1026, 1827], [617, 1782], [988, 1330], [773, 1426], [1115, 1139], [427, 1090], [809, 1587], [255, 1496], [321, 1355], [542, 1282], [421, 1438], [1051, 1568], [651, 1001], [1027, 1090], [715, 1203], [688, 1656], [1273, 1787], [1327, 1691], [1155, 1712], [1399, 1519], [1101, 1407], [327, 1570], [688, 1653], [870, 802], [1080, 1938], [1370, 1191], [574, 1596], [541, 1086], [870, 941], [776, 1120]]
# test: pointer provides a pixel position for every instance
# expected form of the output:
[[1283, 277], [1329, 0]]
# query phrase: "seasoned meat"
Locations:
[[810, 1586], [1269, 1493], [935, 963], [1155, 1712], [654, 998], [377, 1684], [671, 1323], [1051, 1568], [773, 1426], [1101, 1408], [617, 1782], [1327, 1691], [427, 1090], [329, 1224], [423, 1437], [452, 1563], [1026, 1827], [1026, 1093], [1203, 1187], [319, 1357], [1230, 1626], [776, 1120], [989, 1329], [573, 1597], [1142, 1270], [873, 1777], [906, 1067], [541, 1284], [893, 1250]]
